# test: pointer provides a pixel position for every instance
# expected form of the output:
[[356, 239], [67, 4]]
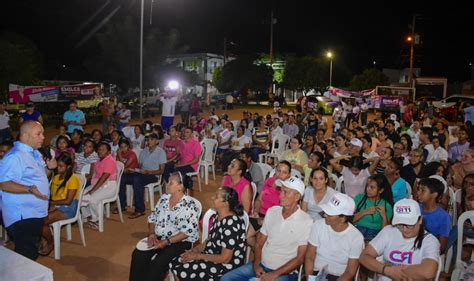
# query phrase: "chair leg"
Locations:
[[199, 182], [101, 217], [68, 232], [81, 230], [151, 195], [449, 257], [107, 210], [119, 209], [147, 197], [57, 240], [129, 195], [206, 174], [214, 171]]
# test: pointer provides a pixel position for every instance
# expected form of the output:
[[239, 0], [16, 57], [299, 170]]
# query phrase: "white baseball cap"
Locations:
[[339, 204], [406, 211], [393, 117], [292, 183], [356, 142]]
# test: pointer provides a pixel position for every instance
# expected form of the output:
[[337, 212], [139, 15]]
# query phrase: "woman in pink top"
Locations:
[[269, 197], [236, 179], [103, 184], [189, 157], [173, 148]]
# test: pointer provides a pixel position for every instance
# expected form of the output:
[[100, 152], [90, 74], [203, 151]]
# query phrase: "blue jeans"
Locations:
[[245, 272], [138, 181]]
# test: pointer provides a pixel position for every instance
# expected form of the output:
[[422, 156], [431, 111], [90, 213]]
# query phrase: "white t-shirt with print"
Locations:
[[314, 208], [397, 250], [334, 249]]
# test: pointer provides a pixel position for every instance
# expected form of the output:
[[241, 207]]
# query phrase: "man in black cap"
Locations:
[[31, 114]]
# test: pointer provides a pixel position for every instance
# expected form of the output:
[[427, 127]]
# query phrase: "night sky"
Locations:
[[357, 33]]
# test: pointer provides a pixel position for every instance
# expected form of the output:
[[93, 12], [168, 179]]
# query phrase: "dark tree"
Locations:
[[20, 61], [368, 80]]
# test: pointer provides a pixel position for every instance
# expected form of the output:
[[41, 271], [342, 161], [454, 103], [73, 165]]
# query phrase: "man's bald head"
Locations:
[[31, 133], [27, 126]]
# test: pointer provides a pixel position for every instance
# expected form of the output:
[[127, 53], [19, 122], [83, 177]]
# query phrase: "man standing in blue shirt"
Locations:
[[24, 189], [74, 118]]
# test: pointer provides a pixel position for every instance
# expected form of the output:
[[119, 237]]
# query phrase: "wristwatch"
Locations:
[[168, 241], [30, 188]]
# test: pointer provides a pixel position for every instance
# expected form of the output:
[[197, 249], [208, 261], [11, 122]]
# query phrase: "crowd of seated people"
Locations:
[[368, 192]]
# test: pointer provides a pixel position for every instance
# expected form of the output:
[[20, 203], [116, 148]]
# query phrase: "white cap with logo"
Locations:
[[356, 142], [406, 211], [292, 183], [339, 204]]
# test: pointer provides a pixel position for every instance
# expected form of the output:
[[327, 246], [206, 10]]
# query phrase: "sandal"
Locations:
[[136, 215], [46, 250], [92, 225]]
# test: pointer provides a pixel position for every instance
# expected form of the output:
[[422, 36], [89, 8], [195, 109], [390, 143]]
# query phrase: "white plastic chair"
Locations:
[[468, 215], [106, 202], [266, 169], [209, 146], [339, 182], [150, 190], [68, 223], [453, 214], [205, 223], [197, 172], [283, 141]]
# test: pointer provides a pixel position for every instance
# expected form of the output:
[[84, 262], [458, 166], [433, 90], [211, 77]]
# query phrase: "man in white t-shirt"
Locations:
[[124, 116], [334, 242], [404, 255], [168, 109], [282, 241]]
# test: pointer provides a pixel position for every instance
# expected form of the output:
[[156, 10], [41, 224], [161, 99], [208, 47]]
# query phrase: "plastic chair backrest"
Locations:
[[452, 206], [120, 168], [82, 187], [468, 215], [209, 146], [296, 173], [283, 142], [266, 169], [246, 218], [339, 182], [205, 223]]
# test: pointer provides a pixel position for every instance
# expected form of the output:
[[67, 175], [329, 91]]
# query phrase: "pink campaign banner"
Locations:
[[23, 94]]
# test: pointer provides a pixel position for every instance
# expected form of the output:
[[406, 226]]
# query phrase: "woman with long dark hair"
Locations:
[[373, 207], [64, 199], [238, 178], [224, 250], [318, 194], [408, 250]]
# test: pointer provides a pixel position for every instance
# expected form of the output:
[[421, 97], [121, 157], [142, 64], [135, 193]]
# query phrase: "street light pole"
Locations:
[[141, 59], [329, 55], [412, 44]]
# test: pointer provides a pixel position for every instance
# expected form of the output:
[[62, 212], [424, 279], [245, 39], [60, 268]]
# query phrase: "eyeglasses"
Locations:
[[407, 226]]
